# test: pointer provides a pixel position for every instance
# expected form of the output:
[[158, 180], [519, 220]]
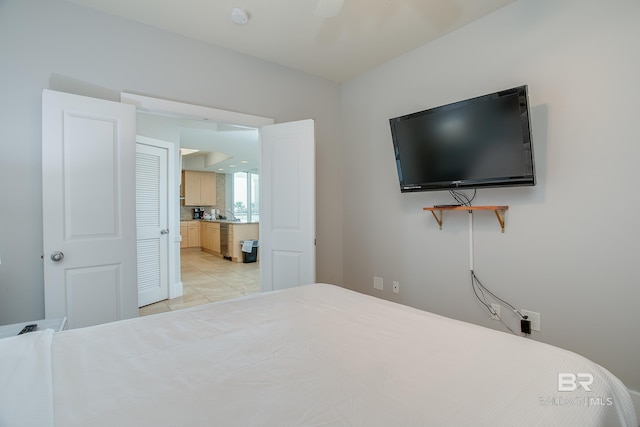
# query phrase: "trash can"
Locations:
[[249, 250]]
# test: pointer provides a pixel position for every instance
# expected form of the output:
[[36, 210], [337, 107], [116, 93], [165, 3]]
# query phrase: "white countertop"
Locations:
[[220, 221]]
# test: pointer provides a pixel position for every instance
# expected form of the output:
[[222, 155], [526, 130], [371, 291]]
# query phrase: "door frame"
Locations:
[[196, 112], [175, 288]]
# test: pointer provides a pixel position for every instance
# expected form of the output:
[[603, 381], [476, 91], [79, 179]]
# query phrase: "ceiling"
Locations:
[[365, 34], [220, 148]]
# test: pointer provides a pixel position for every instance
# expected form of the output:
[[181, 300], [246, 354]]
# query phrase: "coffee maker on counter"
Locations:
[[198, 213]]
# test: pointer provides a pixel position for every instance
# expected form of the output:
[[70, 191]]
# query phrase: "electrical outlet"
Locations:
[[378, 283], [396, 287], [496, 308], [534, 318]]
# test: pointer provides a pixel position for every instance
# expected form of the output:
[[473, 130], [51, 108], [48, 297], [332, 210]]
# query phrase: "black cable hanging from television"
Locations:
[[476, 281], [476, 284], [462, 198]]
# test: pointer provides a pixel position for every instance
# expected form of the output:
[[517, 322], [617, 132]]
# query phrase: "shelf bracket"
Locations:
[[500, 215], [438, 218]]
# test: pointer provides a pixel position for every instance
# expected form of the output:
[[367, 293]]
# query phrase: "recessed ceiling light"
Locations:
[[232, 166], [239, 16], [220, 169], [244, 161]]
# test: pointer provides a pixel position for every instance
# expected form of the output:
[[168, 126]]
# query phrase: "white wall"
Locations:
[[58, 45], [570, 250]]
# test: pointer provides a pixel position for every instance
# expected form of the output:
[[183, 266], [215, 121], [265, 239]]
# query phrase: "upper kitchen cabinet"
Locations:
[[207, 188], [198, 188]]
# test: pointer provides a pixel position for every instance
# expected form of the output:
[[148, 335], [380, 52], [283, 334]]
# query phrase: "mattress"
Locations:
[[317, 355]]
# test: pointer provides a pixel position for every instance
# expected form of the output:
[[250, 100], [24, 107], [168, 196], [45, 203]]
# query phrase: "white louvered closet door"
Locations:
[[152, 223]]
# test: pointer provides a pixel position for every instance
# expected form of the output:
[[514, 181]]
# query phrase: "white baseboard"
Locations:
[[635, 398], [176, 290]]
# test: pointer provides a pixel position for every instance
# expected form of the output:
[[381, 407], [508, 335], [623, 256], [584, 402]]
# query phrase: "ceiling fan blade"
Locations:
[[328, 8]]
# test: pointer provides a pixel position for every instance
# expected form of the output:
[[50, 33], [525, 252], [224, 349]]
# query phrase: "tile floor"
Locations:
[[208, 278]]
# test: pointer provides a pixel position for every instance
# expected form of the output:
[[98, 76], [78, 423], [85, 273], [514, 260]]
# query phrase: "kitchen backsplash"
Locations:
[[221, 191], [186, 212]]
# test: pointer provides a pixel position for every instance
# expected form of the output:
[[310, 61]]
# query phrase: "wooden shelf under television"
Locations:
[[498, 210]]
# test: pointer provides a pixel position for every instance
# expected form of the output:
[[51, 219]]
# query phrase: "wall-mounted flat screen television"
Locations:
[[479, 142]]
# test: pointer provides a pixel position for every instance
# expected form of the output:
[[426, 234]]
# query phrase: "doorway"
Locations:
[[219, 180], [201, 276], [102, 286]]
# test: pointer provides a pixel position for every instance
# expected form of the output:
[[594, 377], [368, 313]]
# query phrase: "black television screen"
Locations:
[[480, 142]]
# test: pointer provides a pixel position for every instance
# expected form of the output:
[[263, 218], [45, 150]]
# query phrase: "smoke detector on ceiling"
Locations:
[[239, 16]]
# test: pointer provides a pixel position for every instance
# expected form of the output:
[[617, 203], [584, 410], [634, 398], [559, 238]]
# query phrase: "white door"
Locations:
[[152, 213], [287, 214], [89, 228]]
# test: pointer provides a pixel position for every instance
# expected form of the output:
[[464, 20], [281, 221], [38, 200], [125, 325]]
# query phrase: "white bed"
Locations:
[[318, 355]]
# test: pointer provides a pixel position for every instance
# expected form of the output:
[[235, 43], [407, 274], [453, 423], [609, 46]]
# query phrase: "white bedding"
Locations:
[[319, 355], [26, 394]]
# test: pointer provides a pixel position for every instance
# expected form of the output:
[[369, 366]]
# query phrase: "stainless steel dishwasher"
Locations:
[[224, 240]]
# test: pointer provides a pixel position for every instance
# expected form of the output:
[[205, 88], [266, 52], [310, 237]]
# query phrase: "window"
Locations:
[[254, 197], [246, 206]]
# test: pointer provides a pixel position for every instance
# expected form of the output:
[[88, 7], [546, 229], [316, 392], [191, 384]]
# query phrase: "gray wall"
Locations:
[[570, 250], [58, 45]]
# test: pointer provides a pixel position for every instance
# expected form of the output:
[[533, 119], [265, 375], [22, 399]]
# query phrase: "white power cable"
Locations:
[[471, 240]]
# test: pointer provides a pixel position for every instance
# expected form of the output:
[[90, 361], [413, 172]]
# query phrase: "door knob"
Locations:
[[57, 256], [164, 231]]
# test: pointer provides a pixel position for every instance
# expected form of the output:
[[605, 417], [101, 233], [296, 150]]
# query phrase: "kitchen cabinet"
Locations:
[[207, 188], [190, 232], [210, 237], [237, 233], [206, 235], [193, 233], [198, 188]]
